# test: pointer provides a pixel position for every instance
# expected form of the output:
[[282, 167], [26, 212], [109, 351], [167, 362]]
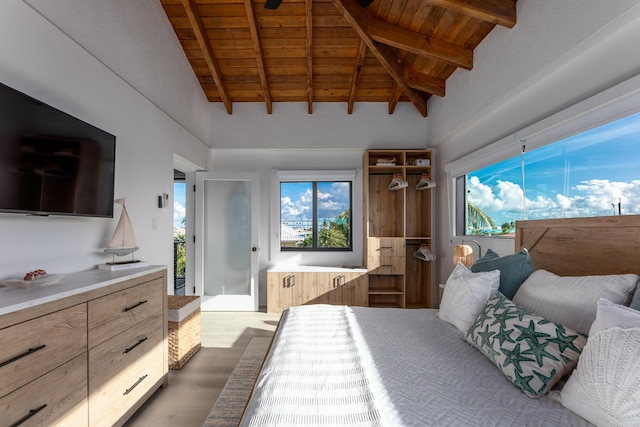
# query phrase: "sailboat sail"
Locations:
[[124, 240]]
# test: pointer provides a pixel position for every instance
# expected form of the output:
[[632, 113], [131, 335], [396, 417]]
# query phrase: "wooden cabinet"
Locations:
[[127, 354], [90, 357], [398, 218], [43, 363], [58, 398], [315, 285]]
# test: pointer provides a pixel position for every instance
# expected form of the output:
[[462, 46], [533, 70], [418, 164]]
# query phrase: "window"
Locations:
[[592, 173], [315, 215]]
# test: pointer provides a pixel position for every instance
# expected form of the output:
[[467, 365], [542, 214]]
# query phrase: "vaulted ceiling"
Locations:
[[332, 50]]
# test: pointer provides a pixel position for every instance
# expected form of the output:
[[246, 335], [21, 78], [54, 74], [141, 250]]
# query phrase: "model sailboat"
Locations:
[[124, 240]]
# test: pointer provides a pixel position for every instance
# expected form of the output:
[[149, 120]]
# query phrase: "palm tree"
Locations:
[[478, 219], [332, 234]]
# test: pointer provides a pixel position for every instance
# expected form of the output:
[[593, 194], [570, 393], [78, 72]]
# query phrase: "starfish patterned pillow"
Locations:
[[532, 352]]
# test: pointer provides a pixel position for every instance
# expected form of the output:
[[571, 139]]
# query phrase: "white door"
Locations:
[[227, 241]]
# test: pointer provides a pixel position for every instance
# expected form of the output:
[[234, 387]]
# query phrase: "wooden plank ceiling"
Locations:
[[332, 50]]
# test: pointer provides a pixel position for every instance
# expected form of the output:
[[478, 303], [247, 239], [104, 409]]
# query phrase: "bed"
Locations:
[[359, 366]]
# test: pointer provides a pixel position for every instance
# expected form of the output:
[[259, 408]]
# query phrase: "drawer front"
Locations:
[[123, 369], [58, 398], [33, 348], [385, 246], [284, 290], [386, 265], [113, 313]]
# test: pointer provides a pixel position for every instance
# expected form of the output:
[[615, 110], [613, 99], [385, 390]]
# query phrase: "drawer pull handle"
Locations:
[[130, 389], [140, 341], [31, 413], [386, 247], [289, 281], [134, 306], [20, 356], [386, 265]]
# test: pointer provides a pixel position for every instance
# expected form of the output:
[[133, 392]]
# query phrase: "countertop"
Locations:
[[295, 268], [12, 299]]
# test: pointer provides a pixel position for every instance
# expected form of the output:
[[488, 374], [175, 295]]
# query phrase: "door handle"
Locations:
[[254, 249]]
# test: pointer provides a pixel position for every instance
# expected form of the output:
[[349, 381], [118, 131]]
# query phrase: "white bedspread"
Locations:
[[355, 366]]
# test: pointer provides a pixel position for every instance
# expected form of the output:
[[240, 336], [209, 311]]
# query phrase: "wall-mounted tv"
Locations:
[[52, 163]]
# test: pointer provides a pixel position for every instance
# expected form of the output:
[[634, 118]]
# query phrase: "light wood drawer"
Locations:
[[33, 348], [123, 369], [119, 311], [385, 246], [58, 398]]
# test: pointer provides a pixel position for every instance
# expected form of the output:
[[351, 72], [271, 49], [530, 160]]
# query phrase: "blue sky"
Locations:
[[296, 200], [179, 202], [579, 176]]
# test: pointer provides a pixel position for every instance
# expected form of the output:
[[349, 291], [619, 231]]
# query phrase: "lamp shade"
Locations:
[[463, 254]]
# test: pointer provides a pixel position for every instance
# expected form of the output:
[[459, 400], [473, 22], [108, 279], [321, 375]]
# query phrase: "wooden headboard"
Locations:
[[582, 246]]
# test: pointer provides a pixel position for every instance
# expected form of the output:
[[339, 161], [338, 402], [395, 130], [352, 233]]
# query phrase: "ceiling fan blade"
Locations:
[[272, 4]]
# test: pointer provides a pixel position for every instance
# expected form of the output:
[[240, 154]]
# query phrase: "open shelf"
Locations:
[[403, 220]]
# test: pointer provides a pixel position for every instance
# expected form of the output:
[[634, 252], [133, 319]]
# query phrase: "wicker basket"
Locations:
[[184, 334]]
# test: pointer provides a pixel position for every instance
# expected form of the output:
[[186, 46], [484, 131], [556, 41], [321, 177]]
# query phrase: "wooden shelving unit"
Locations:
[[397, 223]]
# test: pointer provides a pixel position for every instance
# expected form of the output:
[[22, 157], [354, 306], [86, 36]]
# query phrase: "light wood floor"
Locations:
[[193, 390]]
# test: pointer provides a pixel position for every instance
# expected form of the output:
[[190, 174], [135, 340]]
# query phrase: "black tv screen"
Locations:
[[52, 163]]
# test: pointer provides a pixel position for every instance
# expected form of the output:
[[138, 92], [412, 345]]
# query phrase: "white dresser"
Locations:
[[87, 351]]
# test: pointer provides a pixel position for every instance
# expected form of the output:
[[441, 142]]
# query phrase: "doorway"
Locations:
[[179, 232], [226, 246]]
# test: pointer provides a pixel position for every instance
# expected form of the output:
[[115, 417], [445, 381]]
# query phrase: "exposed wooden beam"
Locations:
[[309, 43], [420, 44], [357, 71], [395, 97], [200, 33], [501, 12], [257, 47], [424, 82], [358, 18]]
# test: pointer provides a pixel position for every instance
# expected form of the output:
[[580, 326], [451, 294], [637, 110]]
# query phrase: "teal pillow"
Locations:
[[635, 303], [514, 269], [532, 352]]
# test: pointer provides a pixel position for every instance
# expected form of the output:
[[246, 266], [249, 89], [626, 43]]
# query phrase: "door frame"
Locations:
[[227, 302]]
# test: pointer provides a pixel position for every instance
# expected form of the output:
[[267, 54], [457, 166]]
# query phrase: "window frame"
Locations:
[[314, 220], [612, 104], [350, 176]]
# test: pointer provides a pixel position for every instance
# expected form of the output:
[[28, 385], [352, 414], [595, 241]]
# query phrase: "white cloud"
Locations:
[[294, 209], [589, 198], [179, 212]]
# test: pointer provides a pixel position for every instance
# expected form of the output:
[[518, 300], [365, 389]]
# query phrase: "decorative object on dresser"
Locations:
[[123, 241], [398, 218], [88, 351]]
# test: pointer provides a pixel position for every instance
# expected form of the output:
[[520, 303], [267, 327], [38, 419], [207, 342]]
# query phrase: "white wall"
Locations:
[[329, 127], [559, 53], [136, 41], [41, 61]]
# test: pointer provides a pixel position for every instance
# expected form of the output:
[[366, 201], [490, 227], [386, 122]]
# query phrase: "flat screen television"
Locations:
[[52, 163]]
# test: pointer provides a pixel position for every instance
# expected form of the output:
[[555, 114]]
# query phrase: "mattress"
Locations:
[[359, 366]]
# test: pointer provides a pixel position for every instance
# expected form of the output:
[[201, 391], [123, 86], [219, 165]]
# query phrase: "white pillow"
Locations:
[[465, 295], [605, 387], [610, 315], [571, 301]]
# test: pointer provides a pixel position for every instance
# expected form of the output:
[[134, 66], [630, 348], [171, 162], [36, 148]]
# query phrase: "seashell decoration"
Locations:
[[605, 387]]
